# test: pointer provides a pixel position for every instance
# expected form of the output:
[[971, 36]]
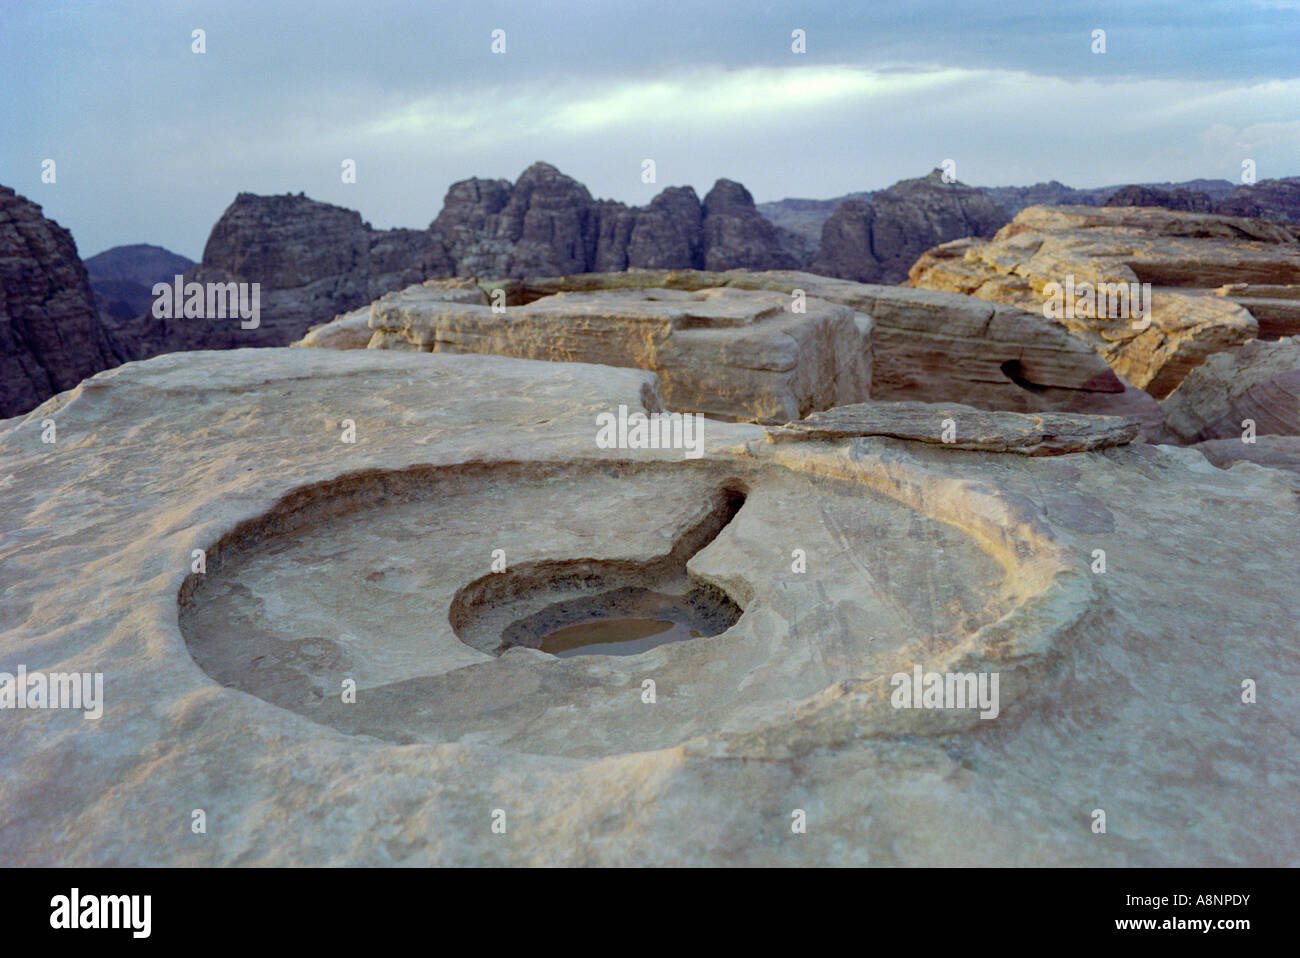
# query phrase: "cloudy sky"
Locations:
[[152, 141]]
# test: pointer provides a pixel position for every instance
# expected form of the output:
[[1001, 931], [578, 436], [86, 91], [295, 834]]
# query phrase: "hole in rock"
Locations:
[[602, 607], [1014, 371], [624, 622]]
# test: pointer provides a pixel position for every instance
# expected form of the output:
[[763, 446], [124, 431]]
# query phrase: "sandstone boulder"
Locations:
[[929, 346], [723, 352], [1259, 382], [964, 427], [345, 331]]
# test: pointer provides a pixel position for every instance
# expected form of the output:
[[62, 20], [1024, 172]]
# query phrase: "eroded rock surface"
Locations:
[[1276, 308], [337, 561]]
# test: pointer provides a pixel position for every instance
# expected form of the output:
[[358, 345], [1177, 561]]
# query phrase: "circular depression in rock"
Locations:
[[383, 582]]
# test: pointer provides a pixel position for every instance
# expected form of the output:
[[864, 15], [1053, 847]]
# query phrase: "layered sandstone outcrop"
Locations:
[[1182, 255], [1271, 452], [1074, 580], [925, 345], [51, 336]]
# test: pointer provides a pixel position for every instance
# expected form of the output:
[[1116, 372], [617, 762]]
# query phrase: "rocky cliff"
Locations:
[[50, 334], [314, 261], [877, 240], [548, 224], [311, 261]]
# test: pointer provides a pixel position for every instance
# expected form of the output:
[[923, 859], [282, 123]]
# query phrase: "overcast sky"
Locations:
[[152, 141]]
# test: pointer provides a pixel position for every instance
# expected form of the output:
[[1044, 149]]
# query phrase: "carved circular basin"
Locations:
[[446, 604]]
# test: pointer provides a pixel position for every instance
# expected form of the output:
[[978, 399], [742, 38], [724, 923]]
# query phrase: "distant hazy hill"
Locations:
[[122, 278], [807, 217]]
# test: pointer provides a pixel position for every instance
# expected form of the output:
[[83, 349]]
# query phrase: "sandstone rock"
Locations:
[[345, 331], [723, 352], [805, 217], [50, 333], [329, 561], [1273, 452], [1260, 382], [931, 346], [352, 330], [1180, 254], [547, 223], [1049, 434], [669, 233], [468, 225], [1277, 200], [1013, 199]]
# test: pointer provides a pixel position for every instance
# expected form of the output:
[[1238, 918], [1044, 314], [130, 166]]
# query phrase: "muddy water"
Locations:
[[625, 636]]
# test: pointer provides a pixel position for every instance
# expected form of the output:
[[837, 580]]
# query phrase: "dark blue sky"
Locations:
[[153, 141]]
